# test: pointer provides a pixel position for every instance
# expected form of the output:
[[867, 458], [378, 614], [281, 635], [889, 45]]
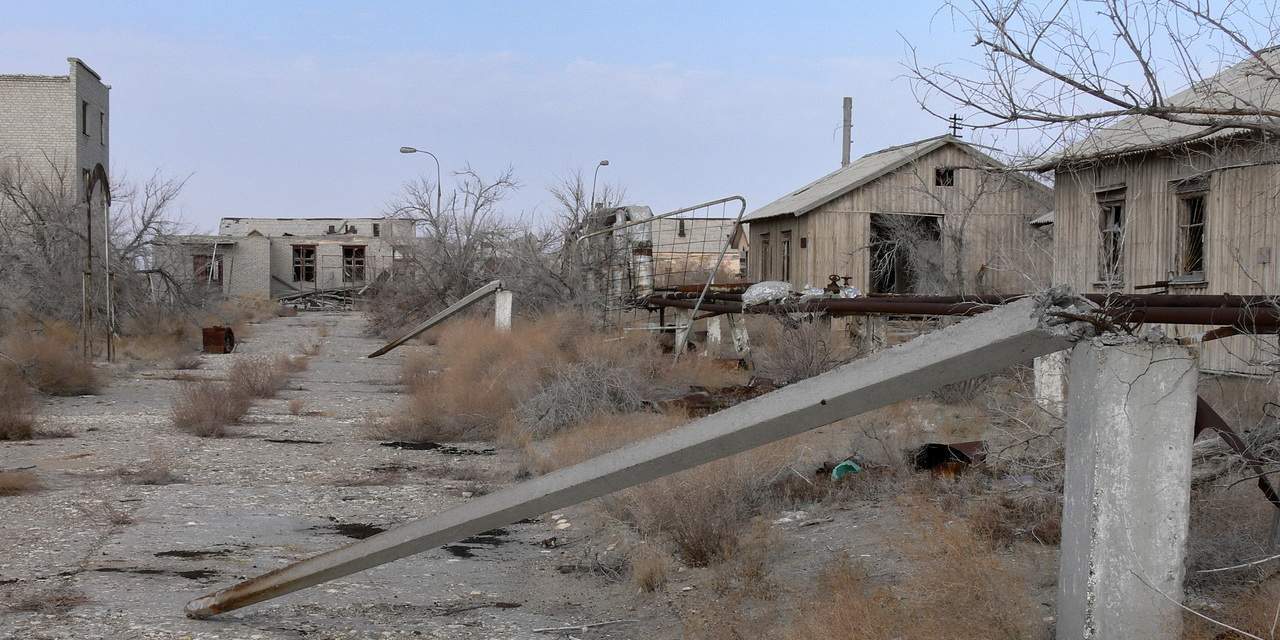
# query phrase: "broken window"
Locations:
[[207, 268], [351, 228], [944, 177], [765, 257], [1191, 218], [353, 264], [304, 263], [786, 255], [84, 117], [906, 254], [377, 230], [102, 128], [332, 229], [681, 231], [1111, 246]]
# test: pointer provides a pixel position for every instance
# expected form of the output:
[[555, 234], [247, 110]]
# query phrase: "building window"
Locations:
[[207, 268], [304, 263], [102, 128], [332, 229], [377, 230], [681, 231], [944, 177], [84, 117], [1111, 247], [765, 257], [804, 242], [786, 255], [1191, 218], [353, 264]]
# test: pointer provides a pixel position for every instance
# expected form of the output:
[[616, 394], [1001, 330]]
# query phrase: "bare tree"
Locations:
[[1065, 67]]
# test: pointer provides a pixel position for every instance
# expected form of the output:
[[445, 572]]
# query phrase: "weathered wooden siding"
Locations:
[[1242, 234], [995, 209]]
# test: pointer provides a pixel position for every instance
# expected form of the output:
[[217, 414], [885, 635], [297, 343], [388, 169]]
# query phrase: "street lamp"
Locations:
[[603, 163], [433, 157]]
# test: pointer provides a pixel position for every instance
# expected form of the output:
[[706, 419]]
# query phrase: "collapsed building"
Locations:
[[276, 257]]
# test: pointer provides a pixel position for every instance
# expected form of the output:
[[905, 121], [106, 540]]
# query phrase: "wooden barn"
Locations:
[[1149, 206], [932, 217]]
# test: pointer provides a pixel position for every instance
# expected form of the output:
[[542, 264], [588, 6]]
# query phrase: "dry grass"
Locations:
[[260, 376], [603, 433], [17, 408], [206, 409], [187, 361], [1253, 611], [542, 377], [322, 331], [1000, 520], [51, 360], [958, 589], [787, 351], [650, 567], [296, 406], [104, 513], [16, 483]]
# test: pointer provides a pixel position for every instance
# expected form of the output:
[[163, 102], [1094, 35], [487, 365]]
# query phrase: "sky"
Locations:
[[282, 109]]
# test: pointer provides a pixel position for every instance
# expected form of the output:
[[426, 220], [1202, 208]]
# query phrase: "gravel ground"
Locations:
[[272, 494]]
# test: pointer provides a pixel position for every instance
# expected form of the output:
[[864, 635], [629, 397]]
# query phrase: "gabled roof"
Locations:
[[1245, 85], [858, 173]]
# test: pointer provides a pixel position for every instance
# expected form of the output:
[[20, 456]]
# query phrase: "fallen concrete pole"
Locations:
[[1002, 337], [470, 299], [1126, 499]]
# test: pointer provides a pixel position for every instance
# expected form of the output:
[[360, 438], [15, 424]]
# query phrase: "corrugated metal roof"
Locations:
[[846, 179], [1246, 84]]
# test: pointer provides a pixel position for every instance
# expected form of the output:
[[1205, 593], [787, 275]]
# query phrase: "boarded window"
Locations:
[[786, 255], [353, 264], [1191, 218], [207, 268], [304, 263], [944, 177], [1111, 244]]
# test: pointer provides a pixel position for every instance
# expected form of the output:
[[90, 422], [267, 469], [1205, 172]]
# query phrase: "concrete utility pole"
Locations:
[[1126, 504], [846, 135], [502, 302], [1014, 333]]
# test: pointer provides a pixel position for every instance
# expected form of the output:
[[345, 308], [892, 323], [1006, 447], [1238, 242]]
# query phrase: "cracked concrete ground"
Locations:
[[273, 493]]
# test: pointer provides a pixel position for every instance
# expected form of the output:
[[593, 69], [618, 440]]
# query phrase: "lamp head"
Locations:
[[408, 150]]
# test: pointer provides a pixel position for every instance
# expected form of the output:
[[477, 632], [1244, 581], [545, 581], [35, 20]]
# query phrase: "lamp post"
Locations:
[[603, 163], [433, 157]]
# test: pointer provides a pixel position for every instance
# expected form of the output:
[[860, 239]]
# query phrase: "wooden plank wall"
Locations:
[[996, 207], [1242, 229]]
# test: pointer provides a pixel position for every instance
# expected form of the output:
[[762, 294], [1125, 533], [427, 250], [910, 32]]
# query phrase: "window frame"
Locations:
[[84, 117], [765, 266], [302, 263], [1112, 212], [785, 244], [201, 271], [1184, 235], [944, 177], [350, 262], [102, 128]]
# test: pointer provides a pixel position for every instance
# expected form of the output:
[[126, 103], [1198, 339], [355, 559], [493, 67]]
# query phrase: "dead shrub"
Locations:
[[1228, 527], [51, 360], [187, 361], [206, 409], [295, 406], [1253, 611], [1002, 519], [259, 376], [17, 408], [104, 513], [745, 566], [56, 601], [785, 350], [16, 483], [156, 470], [649, 567], [700, 512], [284, 311], [969, 391], [576, 392], [322, 331]]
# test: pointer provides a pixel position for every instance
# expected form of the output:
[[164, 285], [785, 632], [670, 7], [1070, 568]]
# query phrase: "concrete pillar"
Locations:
[[741, 341], [713, 345], [502, 310], [1130, 420], [683, 321], [1051, 382]]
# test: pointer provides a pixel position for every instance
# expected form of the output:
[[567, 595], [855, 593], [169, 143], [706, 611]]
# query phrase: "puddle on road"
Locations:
[[466, 547], [194, 574], [192, 553], [446, 449], [356, 530]]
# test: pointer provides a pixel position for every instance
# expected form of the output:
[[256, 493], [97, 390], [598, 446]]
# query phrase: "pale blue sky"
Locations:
[[297, 109]]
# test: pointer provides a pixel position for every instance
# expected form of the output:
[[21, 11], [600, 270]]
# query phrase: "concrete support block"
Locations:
[[713, 347], [1130, 420], [502, 301], [741, 341], [1051, 382]]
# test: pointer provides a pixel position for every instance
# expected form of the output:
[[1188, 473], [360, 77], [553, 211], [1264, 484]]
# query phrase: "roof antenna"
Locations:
[[955, 125]]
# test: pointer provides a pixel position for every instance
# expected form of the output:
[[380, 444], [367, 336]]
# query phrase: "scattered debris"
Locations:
[[948, 460], [218, 339], [442, 448], [583, 627]]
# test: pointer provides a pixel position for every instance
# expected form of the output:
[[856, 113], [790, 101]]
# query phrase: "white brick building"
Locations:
[[56, 126], [277, 256]]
